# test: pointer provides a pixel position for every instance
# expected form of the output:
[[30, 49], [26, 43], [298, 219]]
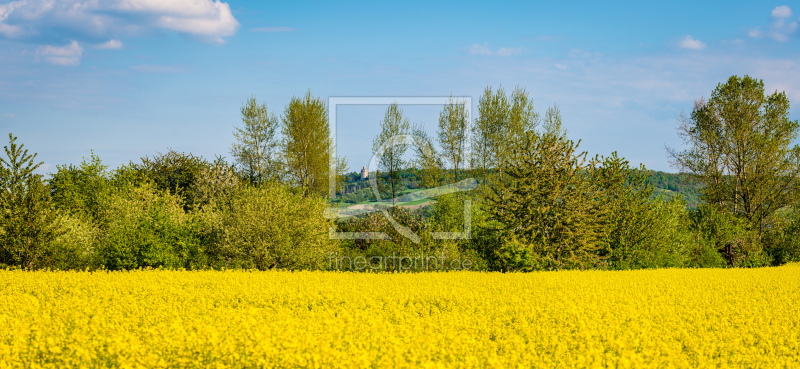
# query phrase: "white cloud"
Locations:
[[111, 44], [781, 28], [210, 20], [64, 55], [7, 30], [9, 115], [583, 54], [782, 11], [477, 49], [508, 51], [687, 42], [272, 29], [783, 35], [485, 50], [211, 23]]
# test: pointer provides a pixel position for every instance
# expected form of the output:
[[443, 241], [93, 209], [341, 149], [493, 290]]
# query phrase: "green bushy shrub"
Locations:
[[782, 236], [731, 236], [82, 190], [76, 245], [146, 227], [667, 238], [272, 227], [28, 224], [446, 214]]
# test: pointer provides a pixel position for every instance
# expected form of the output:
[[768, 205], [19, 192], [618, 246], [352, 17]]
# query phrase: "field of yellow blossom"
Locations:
[[638, 319]]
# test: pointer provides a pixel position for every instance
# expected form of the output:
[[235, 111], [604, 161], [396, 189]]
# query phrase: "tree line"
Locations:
[[541, 203]]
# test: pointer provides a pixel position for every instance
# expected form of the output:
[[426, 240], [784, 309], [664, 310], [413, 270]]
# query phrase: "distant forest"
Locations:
[[356, 191]]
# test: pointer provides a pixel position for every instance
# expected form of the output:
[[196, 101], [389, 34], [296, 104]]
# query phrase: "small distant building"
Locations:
[[364, 173]]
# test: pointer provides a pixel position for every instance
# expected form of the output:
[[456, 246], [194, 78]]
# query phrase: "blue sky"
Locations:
[[128, 78]]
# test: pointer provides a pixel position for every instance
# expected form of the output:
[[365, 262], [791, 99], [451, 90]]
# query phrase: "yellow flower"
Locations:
[[633, 319]]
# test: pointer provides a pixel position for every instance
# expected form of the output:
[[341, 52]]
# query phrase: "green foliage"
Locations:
[[76, 245], [641, 231], [448, 214], [255, 146], [361, 195], [175, 172], [730, 235], [704, 254], [389, 146], [556, 211], [500, 127], [426, 160], [28, 221], [549, 207], [670, 239], [428, 254], [630, 225], [740, 149], [489, 126], [271, 227], [81, 190], [377, 222], [522, 118], [542, 204], [18, 168], [453, 133], [552, 123], [308, 151], [147, 227], [671, 185], [782, 238], [215, 184]]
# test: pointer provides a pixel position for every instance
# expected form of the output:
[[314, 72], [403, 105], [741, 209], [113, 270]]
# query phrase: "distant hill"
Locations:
[[357, 191], [671, 184]]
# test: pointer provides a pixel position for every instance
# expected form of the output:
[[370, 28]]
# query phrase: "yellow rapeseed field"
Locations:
[[638, 319]]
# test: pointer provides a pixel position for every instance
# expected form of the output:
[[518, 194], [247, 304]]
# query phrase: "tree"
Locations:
[[272, 227], [175, 172], [522, 118], [727, 235], [81, 190], [28, 222], [550, 212], [632, 234], [216, 183], [500, 126], [389, 147], [453, 133], [308, 151], [492, 118], [426, 160], [552, 123], [740, 150], [255, 143], [148, 227]]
